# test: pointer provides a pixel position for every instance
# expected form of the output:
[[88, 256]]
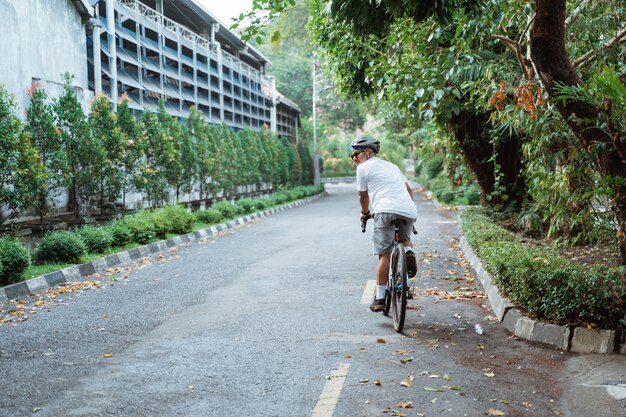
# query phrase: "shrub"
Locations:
[[210, 216], [247, 205], [260, 203], [14, 259], [120, 232], [228, 210], [173, 219], [61, 246], [141, 227], [546, 285], [97, 239], [433, 167]]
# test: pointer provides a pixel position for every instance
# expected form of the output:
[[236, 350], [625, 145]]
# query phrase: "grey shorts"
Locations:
[[382, 237]]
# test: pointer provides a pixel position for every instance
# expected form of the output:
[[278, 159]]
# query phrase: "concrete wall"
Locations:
[[40, 40]]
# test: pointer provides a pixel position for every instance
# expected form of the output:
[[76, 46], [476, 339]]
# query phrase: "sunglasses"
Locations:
[[355, 154]]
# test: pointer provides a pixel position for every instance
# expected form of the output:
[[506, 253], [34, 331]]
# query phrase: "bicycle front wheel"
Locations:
[[399, 290]]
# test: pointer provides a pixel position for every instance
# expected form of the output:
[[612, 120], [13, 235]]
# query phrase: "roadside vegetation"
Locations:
[[61, 249]]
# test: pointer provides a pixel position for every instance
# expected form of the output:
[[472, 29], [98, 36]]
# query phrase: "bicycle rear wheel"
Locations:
[[389, 290], [399, 289]]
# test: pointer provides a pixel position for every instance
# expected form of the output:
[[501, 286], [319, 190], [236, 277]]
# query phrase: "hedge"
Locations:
[[546, 285], [141, 227], [14, 259]]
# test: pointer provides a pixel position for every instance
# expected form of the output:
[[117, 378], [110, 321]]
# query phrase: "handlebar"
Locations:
[[364, 225]]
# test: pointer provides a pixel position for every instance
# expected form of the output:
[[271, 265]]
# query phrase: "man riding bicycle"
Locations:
[[386, 190]]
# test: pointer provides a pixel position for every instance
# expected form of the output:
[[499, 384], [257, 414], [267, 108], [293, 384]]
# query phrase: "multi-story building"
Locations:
[[148, 49], [177, 50], [39, 41]]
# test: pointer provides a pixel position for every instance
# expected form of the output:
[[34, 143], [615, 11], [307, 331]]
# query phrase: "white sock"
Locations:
[[380, 291]]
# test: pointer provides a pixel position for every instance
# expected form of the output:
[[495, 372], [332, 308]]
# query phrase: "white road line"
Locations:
[[330, 394], [368, 292]]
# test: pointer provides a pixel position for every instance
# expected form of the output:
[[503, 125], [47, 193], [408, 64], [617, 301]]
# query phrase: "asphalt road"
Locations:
[[272, 319]]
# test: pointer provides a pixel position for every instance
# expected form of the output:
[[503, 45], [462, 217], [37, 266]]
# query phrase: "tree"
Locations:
[[132, 140], [206, 151], [45, 138], [158, 155], [80, 152], [549, 53], [108, 152], [21, 172]]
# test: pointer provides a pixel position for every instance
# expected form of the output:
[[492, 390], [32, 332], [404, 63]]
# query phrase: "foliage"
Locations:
[[106, 156], [120, 233], [228, 210], [159, 154], [62, 246], [210, 215], [96, 239], [174, 219], [14, 259], [547, 286], [45, 138], [21, 172], [82, 155], [132, 141], [141, 226], [247, 205]]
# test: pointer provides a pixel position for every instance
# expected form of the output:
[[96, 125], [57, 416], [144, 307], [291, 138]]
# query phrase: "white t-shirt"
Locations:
[[385, 185]]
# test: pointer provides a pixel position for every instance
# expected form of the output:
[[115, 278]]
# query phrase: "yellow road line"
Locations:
[[368, 292], [330, 394]]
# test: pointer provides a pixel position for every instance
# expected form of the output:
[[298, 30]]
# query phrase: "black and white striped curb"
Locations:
[[75, 273]]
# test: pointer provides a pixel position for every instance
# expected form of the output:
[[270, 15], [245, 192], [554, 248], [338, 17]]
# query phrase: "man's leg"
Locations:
[[411, 262], [382, 271]]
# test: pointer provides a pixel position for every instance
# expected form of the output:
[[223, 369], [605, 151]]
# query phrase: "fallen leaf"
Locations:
[[408, 404], [489, 374], [104, 316], [347, 356], [495, 412], [377, 382], [407, 382], [380, 340], [107, 355], [447, 378], [434, 389]]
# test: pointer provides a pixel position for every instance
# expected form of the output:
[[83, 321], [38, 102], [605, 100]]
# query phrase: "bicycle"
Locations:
[[398, 289]]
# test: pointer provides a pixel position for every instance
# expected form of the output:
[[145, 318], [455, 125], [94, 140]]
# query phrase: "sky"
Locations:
[[227, 9]]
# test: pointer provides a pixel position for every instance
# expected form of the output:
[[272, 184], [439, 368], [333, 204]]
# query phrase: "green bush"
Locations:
[[228, 210], [173, 219], [120, 232], [472, 194], [547, 286], [141, 226], [210, 216], [97, 239], [433, 167], [247, 205], [14, 259], [260, 203], [61, 247]]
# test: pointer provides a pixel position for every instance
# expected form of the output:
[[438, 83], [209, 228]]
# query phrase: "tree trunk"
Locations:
[[73, 200], [554, 67], [479, 150]]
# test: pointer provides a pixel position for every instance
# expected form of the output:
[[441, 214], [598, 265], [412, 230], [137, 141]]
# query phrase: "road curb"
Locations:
[[568, 338], [74, 273]]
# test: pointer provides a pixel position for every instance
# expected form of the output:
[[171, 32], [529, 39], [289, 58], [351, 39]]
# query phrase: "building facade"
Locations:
[[40, 40], [177, 50]]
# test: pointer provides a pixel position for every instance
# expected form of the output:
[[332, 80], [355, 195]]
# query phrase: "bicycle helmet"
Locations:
[[363, 142]]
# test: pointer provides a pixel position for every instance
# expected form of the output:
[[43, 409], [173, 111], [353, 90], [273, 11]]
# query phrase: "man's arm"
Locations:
[[409, 189], [364, 201]]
